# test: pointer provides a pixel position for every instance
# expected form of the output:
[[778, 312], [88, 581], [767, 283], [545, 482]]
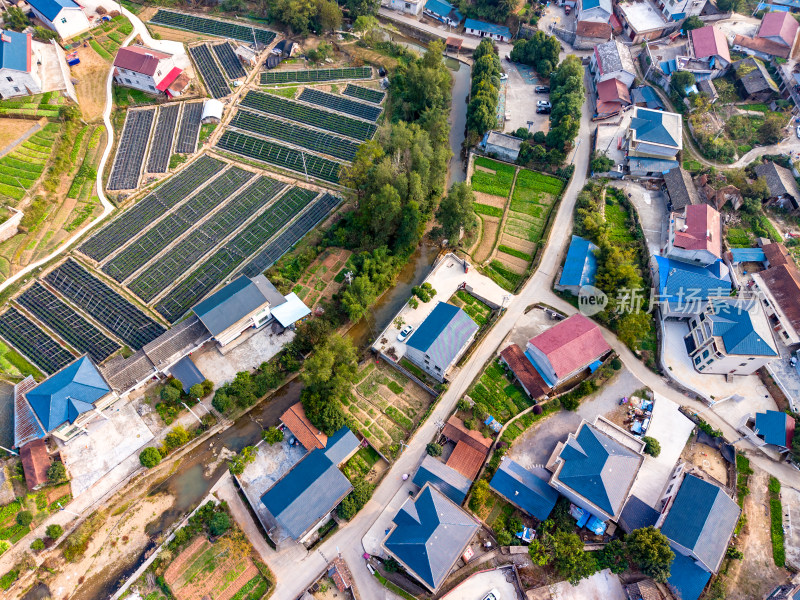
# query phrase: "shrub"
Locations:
[[504, 538], [208, 387], [176, 438], [54, 531], [57, 472], [433, 449], [241, 460], [197, 391], [169, 394], [616, 364], [463, 404], [220, 523], [24, 518], [651, 446], [37, 544], [222, 402], [150, 457], [7, 580], [273, 435]]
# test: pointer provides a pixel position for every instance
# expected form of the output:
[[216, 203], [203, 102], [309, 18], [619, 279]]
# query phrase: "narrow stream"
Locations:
[[191, 483]]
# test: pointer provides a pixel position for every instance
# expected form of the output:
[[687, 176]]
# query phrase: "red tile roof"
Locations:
[[763, 45], [35, 462], [139, 59], [524, 370], [456, 431], [571, 344], [776, 254], [613, 90], [593, 29], [709, 41], [783, 282], [703, 231], [780, 27], [467, 460], [169, 79], [296, 420]]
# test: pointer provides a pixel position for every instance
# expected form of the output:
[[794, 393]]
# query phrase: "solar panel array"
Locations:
[[183, 219], [315, 75], [291, 235], [215, 82], [279, 155], [301, 113], [106, 306], [224, 29], [362, 93], [229, 61], [190, 128], [161, 147], [71, 326], [305, 137], [153, 206], [225, 260], [35, 344], [130, 152], [341, 104], [184, 255]]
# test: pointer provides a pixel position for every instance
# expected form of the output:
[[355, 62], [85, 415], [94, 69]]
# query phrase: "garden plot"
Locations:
[[20, 169], [492, 177], [40, 504], [477, 310], [218, 28], [323, 278]]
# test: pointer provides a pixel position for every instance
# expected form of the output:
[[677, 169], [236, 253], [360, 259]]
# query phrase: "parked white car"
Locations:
[[492, 595], [404, 333]]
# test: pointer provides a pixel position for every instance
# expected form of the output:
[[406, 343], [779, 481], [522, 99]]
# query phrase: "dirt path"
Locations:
[[91, 74]]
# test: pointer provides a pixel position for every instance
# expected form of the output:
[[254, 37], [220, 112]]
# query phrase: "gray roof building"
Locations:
[[528, 490], [680, 188], [429, 535], [753, 78], [780, 180], [637, 514], [447, 480], [503, 145], [441, 339]]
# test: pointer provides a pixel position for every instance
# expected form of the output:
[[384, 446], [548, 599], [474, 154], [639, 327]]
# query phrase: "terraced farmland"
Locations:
[[35, 344], [190, 128], [180, 259], [316, 117], [223, 29], [279, 155], [291, 235], [315, 75], [105, 305], [225, 260], [229, 61], [305, 137], [20, 168], [212, 76], [130, 153], [362, 93], [152, 207], [341, 104], [72, 327], [161, 147], [181, 220]]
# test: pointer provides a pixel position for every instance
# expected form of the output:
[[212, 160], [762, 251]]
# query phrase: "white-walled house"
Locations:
[[18, 76], [612, 60], [412, 7], [64, 17], [144, 68], [695, 235]]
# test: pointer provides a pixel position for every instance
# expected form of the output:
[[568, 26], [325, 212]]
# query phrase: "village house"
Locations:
[[612, 97], [412, 7], [589, 34], [65, 17], [445, 479], [527, 490], [753, 81], [784, 192], [680, 189], [695, 235], [643, 21], [443, 11], [709, 56], [580, 266], [655, 134], [779, 286], [524, 372], [682, 290], [612, 60], [499, 33], [770, 428], [776, 36], [503, 146], [18, 65], [471, 448], [145, 69], [597, 11]]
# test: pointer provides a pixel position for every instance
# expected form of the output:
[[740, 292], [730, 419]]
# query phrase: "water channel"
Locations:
[[191, 483]]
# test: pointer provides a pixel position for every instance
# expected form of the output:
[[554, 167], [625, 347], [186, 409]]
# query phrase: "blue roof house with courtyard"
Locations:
[[441, 339], [487, 30], [525, 489], [443, 11], [64, 17], [302, 500], [596, 467], [429, 534], [772, 427], [67, 400], [446, 479], [699, 526], [683, 289], [655, 133], [580, 266], [19, 72]]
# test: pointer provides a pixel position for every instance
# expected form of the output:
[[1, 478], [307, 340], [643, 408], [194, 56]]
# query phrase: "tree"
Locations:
[[169, 394], [220, 523], [480, 493], [222, 401], [771, 130], [390, 565], [729, 5], [568, 557], [24, 518], [456, 212], [504, 538], [633, 327], [237, 464], [57, 472], [359, 8], [296, 14], [682, 80], [329, 16], [693, 22], [356, 499], [433, 449], [15, 19], [649, 549], [54, 531], [328, 375], [196, 391], [37, 544], [273, 435], [651, 446], [150, 457], [601, 163]]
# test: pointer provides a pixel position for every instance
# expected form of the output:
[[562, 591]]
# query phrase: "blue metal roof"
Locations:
[[309, 491], [637, 514], [445, 479], [431, 533], [680, 282], [649, 127], [443, 333], [775, 427], [235, 301], [739, 255], [51, 8], [702, 519], [443, 9], [341, 445], [580, 266], [644, 164], [734, 323], [487, 27], [67, 394], [587, 4], [15, 53], [524, 489], [187, 373], [687, 577]]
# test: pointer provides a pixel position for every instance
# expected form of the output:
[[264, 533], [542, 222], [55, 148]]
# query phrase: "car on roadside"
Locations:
[[542, 110], [492, 595], [543, 104], [542, 89], [404, 333], [798, 131], [503, 76]]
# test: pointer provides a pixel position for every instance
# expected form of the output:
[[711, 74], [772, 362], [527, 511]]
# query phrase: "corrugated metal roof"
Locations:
[[637, 514], [291, 311], [341, 445], [739, 328], [687, 283], [580, 266], [6, 414], [524, 489], [739, 255], [139, 59], [687, 578], [443, 333], [572, 344], [309, 436], [657, 127], [235, 301], [26, 425], [487, 27], [16, 52], [447, 480], [467, 459], [187, 373], [775, 427], [51, 8]]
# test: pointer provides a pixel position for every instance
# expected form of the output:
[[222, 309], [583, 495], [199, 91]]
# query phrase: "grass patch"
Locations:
[[497, 183], [692, 165], [395, 387], [485, 209], [738, 238], [100, 50], [776, 522], [514, 252], [498, 397]]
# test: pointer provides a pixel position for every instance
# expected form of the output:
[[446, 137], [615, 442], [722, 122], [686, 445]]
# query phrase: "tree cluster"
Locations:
[[497, 11], [305, 16], [455, 212], [540, 52], [482, 108], [328, 376], [246, 388], [356, 499], [567, 96]]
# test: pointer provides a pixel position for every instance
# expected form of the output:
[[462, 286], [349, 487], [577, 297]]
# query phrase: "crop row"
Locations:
[[362, 93], [341, 104], [315, 75], [224, 29]]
